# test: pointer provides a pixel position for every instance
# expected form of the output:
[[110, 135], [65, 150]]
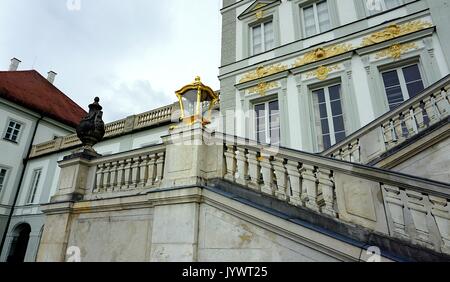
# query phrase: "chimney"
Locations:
[[14, 64], [51, 76]]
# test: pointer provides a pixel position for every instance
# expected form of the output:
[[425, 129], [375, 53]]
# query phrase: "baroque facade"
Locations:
[[331, 144]]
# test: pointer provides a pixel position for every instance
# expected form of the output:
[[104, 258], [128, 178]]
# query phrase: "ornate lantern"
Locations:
[[194, 100]]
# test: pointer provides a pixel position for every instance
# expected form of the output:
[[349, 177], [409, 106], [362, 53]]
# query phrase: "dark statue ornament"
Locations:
[[91, 129]]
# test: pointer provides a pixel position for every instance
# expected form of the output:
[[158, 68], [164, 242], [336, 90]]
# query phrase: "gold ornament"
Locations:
[[394, 31], [262, 88], [322, 72], [261, 72], [396, 51], [322, 53]]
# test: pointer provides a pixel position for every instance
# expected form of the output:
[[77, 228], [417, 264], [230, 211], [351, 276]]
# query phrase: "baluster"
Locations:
[[267, 174], [396, 209], [113, 176], [281, 179], [294, 181], [135, 172], [254, 170], [410, 123], [106, 176], [346, 153], [151, 164], [419, 117], [441, 212], [356, 152], [398, 127], [143, 171], [431, 109], [242, 167], [442, 104], [127, 173], [326, 185], [159, 167], [99, 178], [310, 185], [419, 212], [120, 175], [389, 134], [230, 160]]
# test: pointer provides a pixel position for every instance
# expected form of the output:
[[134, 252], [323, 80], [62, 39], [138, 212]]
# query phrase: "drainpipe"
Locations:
[[22, 174]]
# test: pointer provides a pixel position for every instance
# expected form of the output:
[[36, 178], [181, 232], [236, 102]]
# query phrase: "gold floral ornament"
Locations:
[[396, 51], [394, 31], [261, 72], [323, 53], [322, 72], [263, 87]]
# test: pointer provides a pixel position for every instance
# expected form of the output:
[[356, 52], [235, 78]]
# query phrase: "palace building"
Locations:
[[328, 141]]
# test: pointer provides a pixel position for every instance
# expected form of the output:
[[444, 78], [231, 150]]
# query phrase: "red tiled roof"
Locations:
[[31, 90]]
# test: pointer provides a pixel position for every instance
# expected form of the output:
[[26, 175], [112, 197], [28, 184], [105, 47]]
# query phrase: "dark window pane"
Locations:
[[325, 126], [415, 88], [323, 110], [273, 106], [320, 95], [335, 92], [390, 79], [394, 95], [9, 130], [340, 136], [8, 136], [17, 126], [412, 73], [338, 124], [326, 142], [336, 108]]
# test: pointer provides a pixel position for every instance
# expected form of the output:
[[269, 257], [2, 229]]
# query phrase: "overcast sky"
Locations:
[[133, 54]]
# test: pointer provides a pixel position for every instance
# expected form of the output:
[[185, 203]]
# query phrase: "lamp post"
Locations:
[[192, 98]]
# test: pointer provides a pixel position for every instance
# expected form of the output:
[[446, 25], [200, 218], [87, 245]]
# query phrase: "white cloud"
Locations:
[[132, 54]]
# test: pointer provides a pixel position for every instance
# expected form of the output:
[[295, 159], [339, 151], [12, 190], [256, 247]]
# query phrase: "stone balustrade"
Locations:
[[130, 171], [400, 206], [114, 129], [397, 126]]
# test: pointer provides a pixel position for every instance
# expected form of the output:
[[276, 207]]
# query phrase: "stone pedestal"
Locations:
[[192, 155]]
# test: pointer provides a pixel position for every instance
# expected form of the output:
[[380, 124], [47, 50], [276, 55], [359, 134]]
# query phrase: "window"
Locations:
[[34, 185], [262, 37], [378, 6], [329, 107], [316, 18], [268, 123], [2, 178], [402, 84], [13, 131]]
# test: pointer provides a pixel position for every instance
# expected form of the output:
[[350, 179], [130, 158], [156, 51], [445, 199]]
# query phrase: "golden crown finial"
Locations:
[[197, 79]]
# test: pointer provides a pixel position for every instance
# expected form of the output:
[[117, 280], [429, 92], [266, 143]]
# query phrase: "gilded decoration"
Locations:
[[323, 53], [262, 71], [396, 51], [263, 87], [322, 72], [394, 31]]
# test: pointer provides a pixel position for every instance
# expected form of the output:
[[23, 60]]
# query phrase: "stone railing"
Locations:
[[397, 126], [117, 128], [401, 206], [140, 169]]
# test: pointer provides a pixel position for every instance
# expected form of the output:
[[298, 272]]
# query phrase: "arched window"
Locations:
[[19, 244]]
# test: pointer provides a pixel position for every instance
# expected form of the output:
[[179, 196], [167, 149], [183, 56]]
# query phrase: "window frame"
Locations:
[[402, 80], [34, 186], [316, 17], [5, 178], [330, 117], [19, 135], [261, 23], [267, 125]]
